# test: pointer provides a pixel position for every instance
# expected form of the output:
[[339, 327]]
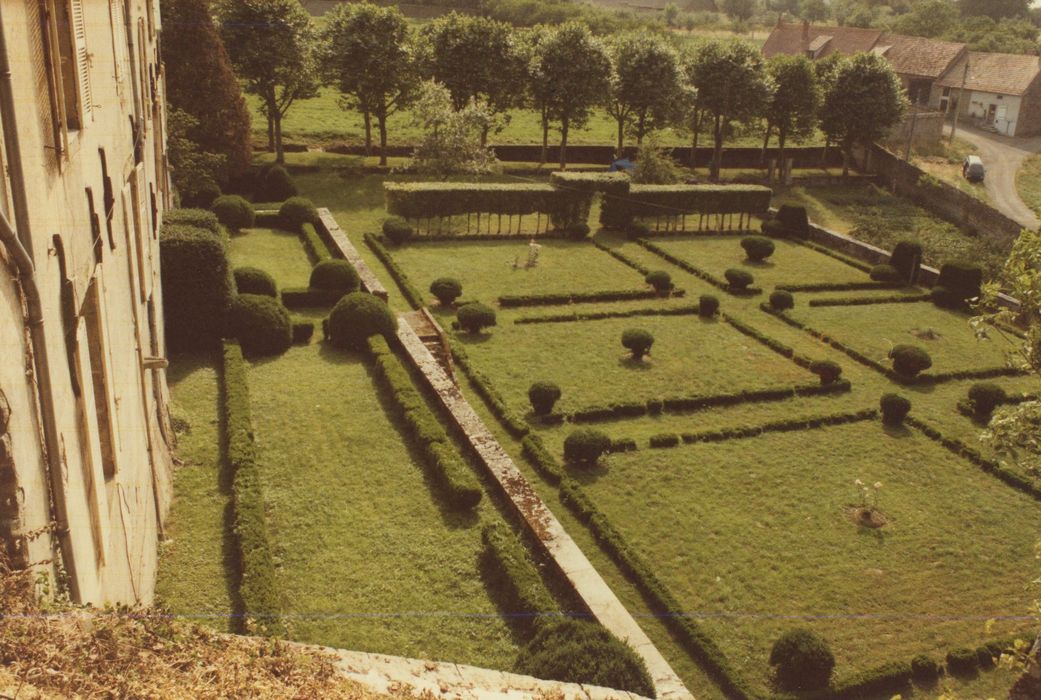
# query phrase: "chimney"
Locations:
[[805, 30]]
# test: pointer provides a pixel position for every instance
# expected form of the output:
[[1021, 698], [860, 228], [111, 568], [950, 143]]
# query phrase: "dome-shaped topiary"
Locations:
[[637, 341], [357, 317], [828, 371], [275, 185], [578, 651], [475, 317], [802, 660], [924, 670], [894, 409], [660, 280], [577, 232], [543, 396], [295, 212], [253, 280], [757, 248], [885, 273], [335, 276], [397, 230], [637, 230], [585, 446], [909, 360], [782, 300], [739, 280], [446, 289], [985, 397], [708, 305], [234, 211], [261, 324]]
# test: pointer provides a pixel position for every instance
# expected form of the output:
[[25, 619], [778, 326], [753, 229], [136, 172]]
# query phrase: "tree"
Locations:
[[194, 55], [477, 59], [654, 166], [929, 18], [451, 143], [539, 91], [271, 44], [574, 66], [194, 169], [738, 10], [732, 86], [792, 109], [367, 54], [865, 101], [645, 81], [1005, 36], [814, 11], [995, 9]]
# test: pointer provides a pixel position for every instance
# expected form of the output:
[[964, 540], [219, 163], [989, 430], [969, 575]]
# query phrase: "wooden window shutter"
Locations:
[[79, 36]]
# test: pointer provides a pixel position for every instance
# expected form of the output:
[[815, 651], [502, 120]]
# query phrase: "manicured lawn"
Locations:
[[790, 263], [197, 566], [754, 537], [874, 329], [487, 268], [277, 252], [368, 557], [690, 356]]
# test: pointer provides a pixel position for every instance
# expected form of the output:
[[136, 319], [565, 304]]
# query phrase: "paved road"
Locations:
[[1002, 157]]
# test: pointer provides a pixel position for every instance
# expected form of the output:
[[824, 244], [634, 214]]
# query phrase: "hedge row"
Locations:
[[838, 286], [514, 301], [686, 404], [749, 431], [519, 583], [514, 424], [197, 280], [867, 301], [965, 407], [775, 345], [536, 453], [680, 200], [623, 258], [600, 315], [882, 681], [451, 474], [1017, 481], [419, 239], [412, 295], [841, 257], [616, 184], [313, 243], [431, 200], [697, 271], [301, 297], [258, 587]]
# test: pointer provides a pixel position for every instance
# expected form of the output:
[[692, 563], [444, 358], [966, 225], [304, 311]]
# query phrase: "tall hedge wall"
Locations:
[[649, 201], [197, 284]]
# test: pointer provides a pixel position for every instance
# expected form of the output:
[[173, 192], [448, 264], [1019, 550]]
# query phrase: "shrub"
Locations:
[[275, 185], [261, 324], [894, 409], [828, 371], [199, 218], [986, 657], [773, 228], [397, 230], [665, 440], [446, 289], [708, 305], [962, 279], [543, 396], [637, 230], [637, 341], [945, 298], [579, 651], [985, 397], [782, 300], [357, 317], [924, 670], [660, 280], [907, 259], [739, 279], [475, 317], [885, 273], [585, 446], [302, 332], [295, 212], [252, 280], [794, 220], [334, 276], [196, 285], [803, 660], [909, 360], [757, 248], [577, 232], [233, 211], [962, 661], [203, 196]]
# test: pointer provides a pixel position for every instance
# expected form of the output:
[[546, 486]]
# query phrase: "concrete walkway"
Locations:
[[1002, 157], [594, 592]]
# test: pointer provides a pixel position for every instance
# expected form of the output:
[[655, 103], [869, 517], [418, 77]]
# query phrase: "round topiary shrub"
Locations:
[[578, 651], [261, 324], [739, 280], [275, 185], [335, 276], [202, 196], [985, 397], [252, 280], [295, 212], [828, 371], [924, 670], [708, 305], [446, 289], [585, 446], [885, 273], [945, 298], [909, 360], [637, 341], [543, 396], [233, 211], [397, 230], [757, 248], [637, 230], [802, 660], [660, 280], [962, 661], [475, 317], [357, 317], [577, 232], [894, 409], [782, 300]]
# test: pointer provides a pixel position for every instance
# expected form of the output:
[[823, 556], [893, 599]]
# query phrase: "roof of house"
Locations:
[[797, 38], [918, 56], [1001, 73]]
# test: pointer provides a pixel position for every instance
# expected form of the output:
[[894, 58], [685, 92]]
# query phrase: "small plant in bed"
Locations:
[[543, 396], [638, 342], [661, 281], [446, 289], [757, 248], [802, 661], [585, 446], [475, 317]]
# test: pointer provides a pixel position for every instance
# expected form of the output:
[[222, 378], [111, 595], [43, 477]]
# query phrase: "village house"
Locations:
[[85, 462]]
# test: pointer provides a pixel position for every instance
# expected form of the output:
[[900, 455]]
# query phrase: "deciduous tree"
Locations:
[[451, 143], [645, 82], [792, 109], [995, 9]]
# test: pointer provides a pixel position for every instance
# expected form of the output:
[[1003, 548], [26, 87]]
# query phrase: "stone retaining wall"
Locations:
[[343, 248]]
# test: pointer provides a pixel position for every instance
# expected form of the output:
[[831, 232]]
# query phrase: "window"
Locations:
[[92, 315], [67, 65], [108, 199], [119, 42]]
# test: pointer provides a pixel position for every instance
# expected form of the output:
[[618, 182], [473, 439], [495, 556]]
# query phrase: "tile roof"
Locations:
[[1002, 73], [789, 39], [918, 56]]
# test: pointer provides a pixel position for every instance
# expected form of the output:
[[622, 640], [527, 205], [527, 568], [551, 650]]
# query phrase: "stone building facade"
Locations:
[[85, 465]]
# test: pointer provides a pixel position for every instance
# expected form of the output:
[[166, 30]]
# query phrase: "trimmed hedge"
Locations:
[[304, 297], [198, 218], [518, 583], [696, 271], [650, 201], [275, 185], [909, 360], [536, 453], [885, 273], [516, 300], [452, 476], [802, 660], [261, 324], [543, 395], [253, 280], [925, 670], [665, 440], [334, 276], [397, 230], [316, 248], [357, 317], [257, 582], [894, 409], [302, 332], [660, 280], [738, 280], [412, 295], [623, 258], [637, 341], [616, 184], [585, 446], [600, 315], [233, 211], [474, 317], [962, 661], [837, 286], [446, 289], [867, 301], [782, 300], [295, 212], [794, 221], [514, 424], [827, 370], [907, 259], [757, 248], [708, 306], [197, 285], [779, 426]]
